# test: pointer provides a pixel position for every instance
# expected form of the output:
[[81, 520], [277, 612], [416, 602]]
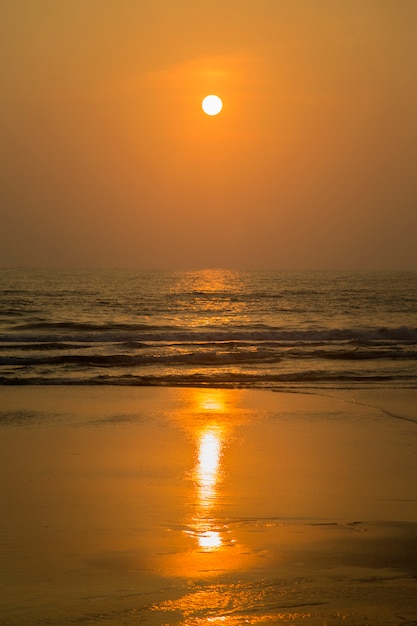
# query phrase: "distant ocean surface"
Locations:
[[274, 330]]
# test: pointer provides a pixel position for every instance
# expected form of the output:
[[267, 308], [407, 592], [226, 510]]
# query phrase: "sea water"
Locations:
[[206, 505], [220, 328]]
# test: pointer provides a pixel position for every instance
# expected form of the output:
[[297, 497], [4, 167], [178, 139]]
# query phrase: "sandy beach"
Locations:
[[127, 506]]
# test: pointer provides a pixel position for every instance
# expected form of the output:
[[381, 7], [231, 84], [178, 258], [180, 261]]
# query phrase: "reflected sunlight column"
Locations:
[[207, 474]]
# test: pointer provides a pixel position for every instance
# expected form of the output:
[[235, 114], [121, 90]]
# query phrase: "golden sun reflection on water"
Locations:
[[210, 400], [209, 540], [208, 466], [207, 475], [207, 471], [209, 417]]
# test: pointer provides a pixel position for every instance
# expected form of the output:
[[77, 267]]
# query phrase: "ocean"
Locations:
[[277, 330]]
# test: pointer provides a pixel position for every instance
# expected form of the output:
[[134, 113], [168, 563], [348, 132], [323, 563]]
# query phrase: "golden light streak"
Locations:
[[207, 470], [207, 473]]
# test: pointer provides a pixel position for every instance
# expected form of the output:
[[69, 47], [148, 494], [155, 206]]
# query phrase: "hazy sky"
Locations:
[[107, 159]]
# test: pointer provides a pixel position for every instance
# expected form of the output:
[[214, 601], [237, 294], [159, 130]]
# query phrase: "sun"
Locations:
[[212, 105]]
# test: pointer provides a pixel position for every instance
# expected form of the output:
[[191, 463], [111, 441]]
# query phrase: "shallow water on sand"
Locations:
[[203, 506]]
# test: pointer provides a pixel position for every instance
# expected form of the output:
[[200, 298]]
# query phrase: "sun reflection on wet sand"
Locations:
[[207, 471], [192, 507], [208, 466], [207, 546], [209, 540]]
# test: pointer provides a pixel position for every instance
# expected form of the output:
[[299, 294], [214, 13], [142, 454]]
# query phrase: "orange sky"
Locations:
[[107, 159]]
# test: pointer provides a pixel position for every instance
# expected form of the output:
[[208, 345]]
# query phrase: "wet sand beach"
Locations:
[[127, 506]]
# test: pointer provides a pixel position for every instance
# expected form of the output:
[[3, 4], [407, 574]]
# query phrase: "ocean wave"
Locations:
[[170, 355], [244, 329], [140, 333], [90, 326], [314, 379], [125, 360], [48, 346]]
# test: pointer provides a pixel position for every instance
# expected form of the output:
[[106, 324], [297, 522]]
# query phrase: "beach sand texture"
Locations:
[[127, 506]]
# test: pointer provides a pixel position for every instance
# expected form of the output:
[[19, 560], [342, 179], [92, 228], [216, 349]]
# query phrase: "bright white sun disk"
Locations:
[[212, 105]]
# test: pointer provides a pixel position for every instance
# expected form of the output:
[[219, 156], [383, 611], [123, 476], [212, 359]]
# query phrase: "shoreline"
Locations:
[[186, 505]]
